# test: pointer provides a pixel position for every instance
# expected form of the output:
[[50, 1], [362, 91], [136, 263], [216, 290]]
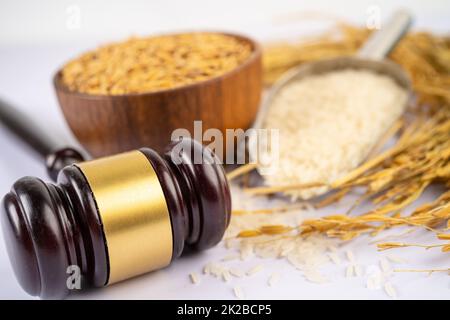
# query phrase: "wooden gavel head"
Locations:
[[114, 218]]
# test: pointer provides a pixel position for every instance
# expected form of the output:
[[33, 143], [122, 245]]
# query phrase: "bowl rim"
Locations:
[[255, 54]]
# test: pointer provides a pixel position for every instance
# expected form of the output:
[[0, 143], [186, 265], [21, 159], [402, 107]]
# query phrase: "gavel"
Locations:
[[111, 218]]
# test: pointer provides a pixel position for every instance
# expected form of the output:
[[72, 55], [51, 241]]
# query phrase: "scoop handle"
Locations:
[[380, 43]]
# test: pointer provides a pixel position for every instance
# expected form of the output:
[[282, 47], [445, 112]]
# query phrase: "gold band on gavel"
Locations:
[[134, 213]]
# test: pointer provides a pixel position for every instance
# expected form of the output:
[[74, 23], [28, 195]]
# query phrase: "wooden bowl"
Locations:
[[109, 124]]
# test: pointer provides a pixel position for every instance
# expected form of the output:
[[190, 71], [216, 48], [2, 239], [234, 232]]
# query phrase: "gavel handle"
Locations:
[[21, 125]]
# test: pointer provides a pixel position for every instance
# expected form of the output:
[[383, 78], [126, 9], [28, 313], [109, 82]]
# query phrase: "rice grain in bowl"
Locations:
[[149, 87]]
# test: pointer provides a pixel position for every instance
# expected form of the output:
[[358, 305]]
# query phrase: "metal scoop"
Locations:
[[369, 57]]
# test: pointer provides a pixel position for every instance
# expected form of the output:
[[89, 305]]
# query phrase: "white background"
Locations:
[[37, 37]]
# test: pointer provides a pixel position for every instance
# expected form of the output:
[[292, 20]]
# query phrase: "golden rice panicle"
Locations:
[[443, 236], [391, 179], [249, 233], [390, 245], [274, 229]]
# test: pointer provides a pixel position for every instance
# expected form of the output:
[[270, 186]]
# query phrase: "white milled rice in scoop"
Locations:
[[329, 123]]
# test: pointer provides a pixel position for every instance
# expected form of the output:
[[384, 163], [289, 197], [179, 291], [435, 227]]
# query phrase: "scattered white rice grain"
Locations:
[[303, 254], [332, 249], [334, 258], [385, 266], [377, 280], [194, 278], [226, 276], [395, 259], [390, 290], [268, 252], [350, 271], [207, 268], [238, 292], [358, 270], [374, 282], [374, 277], [286, 248], [246, 251], [285, 252], [314, 276], [236, 273], [216, 270], [295, 261], [255, 270], [350, 256], [230, 257], [370, 284], [273, 279], [229, 243]]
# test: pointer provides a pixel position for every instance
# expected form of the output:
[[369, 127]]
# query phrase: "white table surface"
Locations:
[[26, 67]]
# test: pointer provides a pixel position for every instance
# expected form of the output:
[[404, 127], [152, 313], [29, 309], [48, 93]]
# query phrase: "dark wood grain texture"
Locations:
[[106, 125], [49, 227]]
